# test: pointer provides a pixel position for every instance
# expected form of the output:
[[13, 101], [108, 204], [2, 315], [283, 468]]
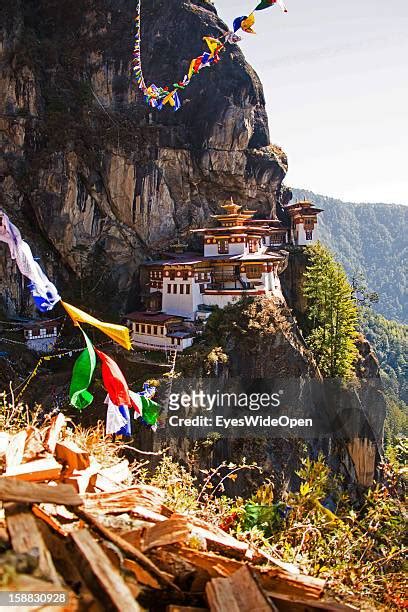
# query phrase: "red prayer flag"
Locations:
[[114, 381]]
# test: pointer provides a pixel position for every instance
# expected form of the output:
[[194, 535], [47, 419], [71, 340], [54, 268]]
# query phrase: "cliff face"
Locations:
[[88, 167]]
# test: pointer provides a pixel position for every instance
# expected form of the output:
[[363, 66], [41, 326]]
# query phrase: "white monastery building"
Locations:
[[242, 256]]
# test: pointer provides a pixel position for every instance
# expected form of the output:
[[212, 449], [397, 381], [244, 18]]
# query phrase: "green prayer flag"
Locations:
[[150, 411], [82, 375]]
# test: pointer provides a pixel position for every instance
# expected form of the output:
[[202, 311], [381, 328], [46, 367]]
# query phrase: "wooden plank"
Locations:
[[54, 431], [25, 536], [70, 455], [130, 551], [102, 578], [171, 531], [13, 489], [237, 593], [36, 471], [15, 449]]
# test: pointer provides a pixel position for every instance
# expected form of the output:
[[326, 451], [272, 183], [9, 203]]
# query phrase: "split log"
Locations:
[[4, 441], [81, 480], [104, 484], [117, 473], [36, 471], [215, 565], [302, 586], [26, 537], [142, 576], [125, 500], [290, 603], [67, 562], [54, 431], [70, 455], [102, 578], [130, 551], [184, 609], [34, 447], [45, 516], [171, 531], [236, 593], [12, 489], [15, 449]]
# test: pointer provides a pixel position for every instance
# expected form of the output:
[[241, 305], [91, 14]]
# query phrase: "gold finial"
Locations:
[[231, 207]]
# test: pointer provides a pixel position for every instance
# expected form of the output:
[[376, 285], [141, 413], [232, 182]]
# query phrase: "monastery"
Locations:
[[242, 256]]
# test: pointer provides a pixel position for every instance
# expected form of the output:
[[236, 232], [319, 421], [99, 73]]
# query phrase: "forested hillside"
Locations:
[[371, 239]]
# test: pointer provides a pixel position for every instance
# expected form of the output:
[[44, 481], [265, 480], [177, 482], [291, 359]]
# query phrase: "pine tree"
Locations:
[[332, 312]]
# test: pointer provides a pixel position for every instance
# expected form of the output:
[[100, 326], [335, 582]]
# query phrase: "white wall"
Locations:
[[302, 236], [235, 248], [176, 303], [159, 343]]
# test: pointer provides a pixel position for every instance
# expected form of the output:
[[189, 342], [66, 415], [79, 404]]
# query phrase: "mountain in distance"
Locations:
[[371, 239]]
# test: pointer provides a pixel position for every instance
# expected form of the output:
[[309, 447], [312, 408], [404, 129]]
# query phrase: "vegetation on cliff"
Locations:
[[368, 238]]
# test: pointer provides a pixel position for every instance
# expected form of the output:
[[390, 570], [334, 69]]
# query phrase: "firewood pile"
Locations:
[[68, 525]]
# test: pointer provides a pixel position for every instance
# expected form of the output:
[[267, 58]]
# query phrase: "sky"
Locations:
[[335, 76]]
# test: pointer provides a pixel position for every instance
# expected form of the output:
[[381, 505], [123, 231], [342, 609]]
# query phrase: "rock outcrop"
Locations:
[[88, 167]]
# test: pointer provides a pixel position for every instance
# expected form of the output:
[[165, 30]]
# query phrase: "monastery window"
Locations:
[[161, 330], [155, 330], [187, 289], [174, 288], [309, 235], [143, 329], [181, 289], [223, 247], [253, 246], [148, 329], [277, 238], [253, 271], [169, 288]]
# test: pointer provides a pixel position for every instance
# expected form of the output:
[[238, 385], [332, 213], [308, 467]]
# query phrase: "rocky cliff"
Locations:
[[96, 180], [98, 183]]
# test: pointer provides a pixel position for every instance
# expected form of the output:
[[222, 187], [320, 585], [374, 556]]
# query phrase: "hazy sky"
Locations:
[[335, 74]]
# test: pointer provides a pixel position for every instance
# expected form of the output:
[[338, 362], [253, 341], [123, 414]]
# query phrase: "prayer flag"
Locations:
[[114, 381], [82, 375], [118, 333]]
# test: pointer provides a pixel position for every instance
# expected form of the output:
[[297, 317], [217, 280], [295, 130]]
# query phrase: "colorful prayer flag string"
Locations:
[[158, 97]]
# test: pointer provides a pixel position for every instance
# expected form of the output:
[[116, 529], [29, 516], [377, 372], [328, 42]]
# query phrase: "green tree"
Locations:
[[332, 312]]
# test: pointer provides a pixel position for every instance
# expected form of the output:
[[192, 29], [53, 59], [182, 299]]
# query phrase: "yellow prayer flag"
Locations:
[[169, 98], [213, 44], [191, 69], [118, 333], [247, 24]]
